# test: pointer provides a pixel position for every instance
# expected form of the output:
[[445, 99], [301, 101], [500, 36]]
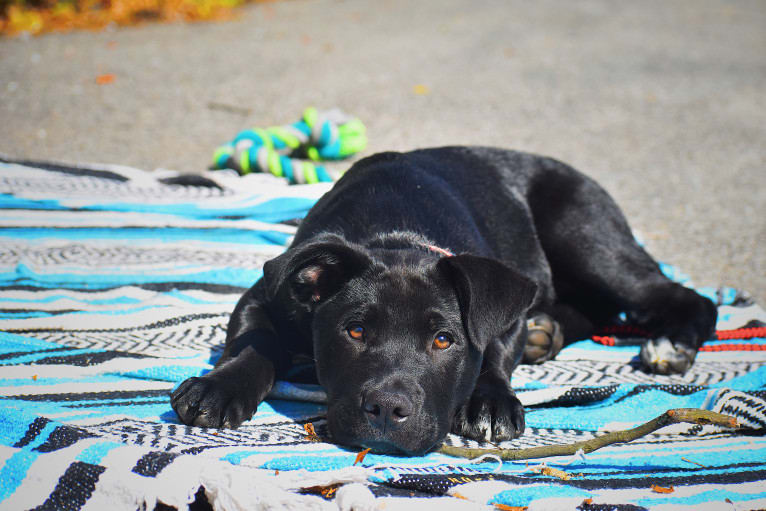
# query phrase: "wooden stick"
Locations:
[[678, 415]]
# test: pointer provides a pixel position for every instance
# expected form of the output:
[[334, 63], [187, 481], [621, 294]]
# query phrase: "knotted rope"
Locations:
[[330, 135]]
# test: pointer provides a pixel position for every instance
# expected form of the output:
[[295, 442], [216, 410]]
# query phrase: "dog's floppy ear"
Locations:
[[491, 295], [313, 272]]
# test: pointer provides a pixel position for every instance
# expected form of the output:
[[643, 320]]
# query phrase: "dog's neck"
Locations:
[[400, 240], [442, 251]]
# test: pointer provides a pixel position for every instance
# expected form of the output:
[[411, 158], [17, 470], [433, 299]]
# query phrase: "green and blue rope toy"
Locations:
[[290, 151]]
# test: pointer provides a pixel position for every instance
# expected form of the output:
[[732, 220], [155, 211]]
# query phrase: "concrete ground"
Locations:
[[663, 102]]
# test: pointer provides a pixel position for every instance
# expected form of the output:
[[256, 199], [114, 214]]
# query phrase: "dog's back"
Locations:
[[464, 199]]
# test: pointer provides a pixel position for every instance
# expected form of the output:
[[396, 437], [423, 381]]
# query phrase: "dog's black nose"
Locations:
[[386, 407]]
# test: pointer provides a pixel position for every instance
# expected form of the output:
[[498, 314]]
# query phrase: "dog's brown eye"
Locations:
[[356, 332], [442, 342]]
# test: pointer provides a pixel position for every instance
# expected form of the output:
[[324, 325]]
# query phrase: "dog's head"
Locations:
[[398, 346]]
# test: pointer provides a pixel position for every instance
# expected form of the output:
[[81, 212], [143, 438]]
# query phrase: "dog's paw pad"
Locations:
[[208, 403], [544, 339], [491, 415], [662, 356]]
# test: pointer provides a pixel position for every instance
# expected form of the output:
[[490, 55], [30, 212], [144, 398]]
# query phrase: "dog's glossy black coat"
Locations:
[[410, 342]]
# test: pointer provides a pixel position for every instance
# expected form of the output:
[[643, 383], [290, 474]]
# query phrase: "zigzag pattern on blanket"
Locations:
[[115, 287]]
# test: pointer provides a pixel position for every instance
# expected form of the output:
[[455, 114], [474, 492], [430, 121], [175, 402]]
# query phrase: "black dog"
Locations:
[[420, 282]]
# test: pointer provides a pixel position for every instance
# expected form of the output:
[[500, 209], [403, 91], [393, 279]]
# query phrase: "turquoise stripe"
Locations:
[[755, 380], [237, 457], [96, 452], [11, 202], [196, 301], [12, 343], [156, 235], [123, 300], [114, 312], [226, 276], [271, 210], [522, 496], [718, 495], [15, 469], [169, 373]]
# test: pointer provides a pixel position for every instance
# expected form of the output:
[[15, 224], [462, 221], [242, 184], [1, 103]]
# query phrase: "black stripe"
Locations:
[[6, 356], [190, 180], [89, 359], [152, 326], [61, 437], [153, 462], [121, 403], [51, 312], [68, 169], [153, 286], [91, 396], [32, 431], [675, 389], [160, 229], [74, 488], [440, 483], [642, 479]]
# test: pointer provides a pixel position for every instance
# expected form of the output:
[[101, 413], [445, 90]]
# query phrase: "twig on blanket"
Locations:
[[675, 416]]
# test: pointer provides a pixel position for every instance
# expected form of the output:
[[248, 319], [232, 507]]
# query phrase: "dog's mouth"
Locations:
[[385, 447], [355, 431]]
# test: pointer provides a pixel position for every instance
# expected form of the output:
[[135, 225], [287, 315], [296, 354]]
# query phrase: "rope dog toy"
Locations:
[[330, 135]]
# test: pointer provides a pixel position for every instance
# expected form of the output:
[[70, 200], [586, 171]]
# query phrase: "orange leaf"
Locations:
[[34, 377], [510, 508], [311, 435], [660, 489], [105, 79], [361, 455], [587, 502]]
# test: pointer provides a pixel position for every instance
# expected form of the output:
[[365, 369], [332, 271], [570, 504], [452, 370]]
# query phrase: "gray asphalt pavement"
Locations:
[[663, 102]]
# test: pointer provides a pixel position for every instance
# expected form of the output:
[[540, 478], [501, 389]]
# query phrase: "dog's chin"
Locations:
[[385, 447], [358, 433]]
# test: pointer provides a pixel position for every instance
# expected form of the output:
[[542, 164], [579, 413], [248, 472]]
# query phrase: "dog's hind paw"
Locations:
[[544, 339], [662, 356], [211, 403], [492, 414]]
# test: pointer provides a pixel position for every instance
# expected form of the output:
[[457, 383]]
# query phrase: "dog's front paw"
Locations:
[[662, 356], [210, 402], [493, 414]]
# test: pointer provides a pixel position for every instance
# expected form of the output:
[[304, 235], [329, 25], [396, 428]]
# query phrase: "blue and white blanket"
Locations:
[[115, 286]]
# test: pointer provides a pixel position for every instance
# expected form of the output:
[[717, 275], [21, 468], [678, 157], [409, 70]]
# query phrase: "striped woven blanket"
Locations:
[[116, 285]]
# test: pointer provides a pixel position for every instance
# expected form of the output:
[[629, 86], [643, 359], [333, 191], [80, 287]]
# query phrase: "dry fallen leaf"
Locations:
[[327, 492], [549, 471], [311, 435], [421, 90], [660, 489], [510, 508], [34, 377], [105, 79], [361, 455]]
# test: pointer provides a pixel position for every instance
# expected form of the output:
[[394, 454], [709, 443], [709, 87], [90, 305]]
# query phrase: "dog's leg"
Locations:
[[493, 412], [553, 329], [230, 393], [599, 269]]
